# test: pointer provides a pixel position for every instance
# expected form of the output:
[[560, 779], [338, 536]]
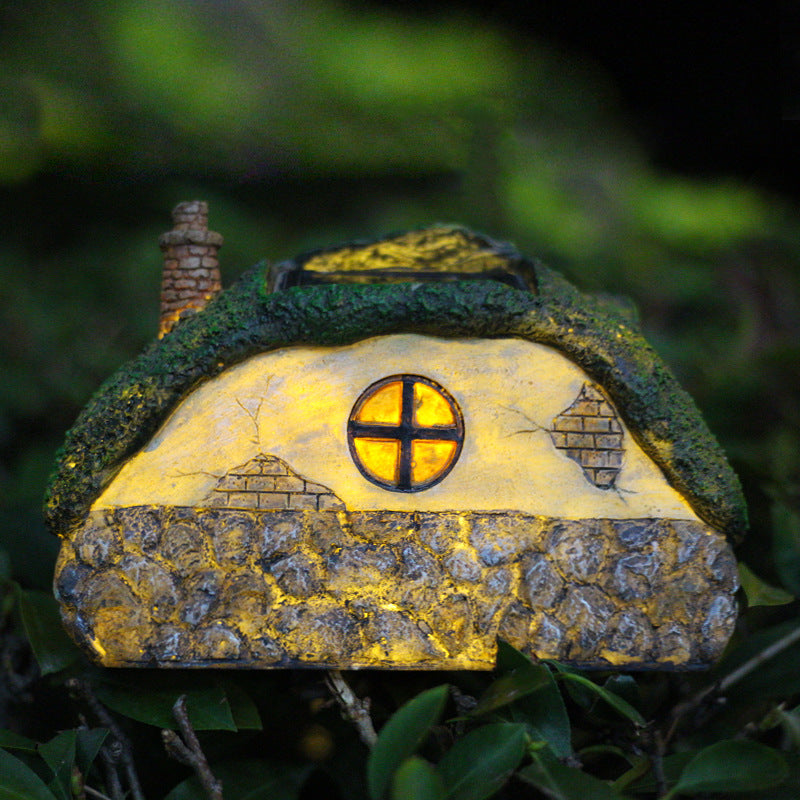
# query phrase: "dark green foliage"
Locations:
[[304, 131], [401, 736], [535, 696], [248, 780], [212, 702], [521, 682], [620, 705], [65, 755], [416, 779], [787, 545], [562, 782], [732, 767], [526, 730], [52, 647], [481, 762], [760, 593], [19, 782]]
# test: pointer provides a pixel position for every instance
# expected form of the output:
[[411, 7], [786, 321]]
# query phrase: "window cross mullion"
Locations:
[[405, 432]]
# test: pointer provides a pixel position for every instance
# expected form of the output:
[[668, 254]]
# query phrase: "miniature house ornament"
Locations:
[[389, 455]]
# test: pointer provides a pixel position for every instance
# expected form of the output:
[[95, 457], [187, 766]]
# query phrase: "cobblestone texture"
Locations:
[[589, 433], [276, 587], [190, 277]]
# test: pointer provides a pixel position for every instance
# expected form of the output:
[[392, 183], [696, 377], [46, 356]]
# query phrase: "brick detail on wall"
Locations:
[[589, 433], [268, 482], [191, 268]]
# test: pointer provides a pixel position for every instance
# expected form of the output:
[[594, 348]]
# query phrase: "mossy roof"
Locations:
[[243, 320]]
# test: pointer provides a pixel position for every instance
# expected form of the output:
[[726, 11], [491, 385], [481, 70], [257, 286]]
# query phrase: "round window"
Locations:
[[405, 433]]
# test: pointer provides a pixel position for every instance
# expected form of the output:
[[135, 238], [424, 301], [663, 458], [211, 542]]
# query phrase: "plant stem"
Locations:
[[95, 793], [354, 709], [759, 658], [188, 750], [731, 679], [124, 747]]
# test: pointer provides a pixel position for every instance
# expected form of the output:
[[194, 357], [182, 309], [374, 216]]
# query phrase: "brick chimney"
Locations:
[[191, 267]]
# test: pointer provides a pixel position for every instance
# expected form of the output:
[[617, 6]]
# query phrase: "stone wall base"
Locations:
[[194, 587]]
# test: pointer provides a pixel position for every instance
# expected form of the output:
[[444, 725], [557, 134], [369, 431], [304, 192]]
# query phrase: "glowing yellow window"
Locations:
[[405, 433]]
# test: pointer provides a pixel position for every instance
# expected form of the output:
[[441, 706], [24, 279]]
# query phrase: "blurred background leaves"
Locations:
[[309, 124]]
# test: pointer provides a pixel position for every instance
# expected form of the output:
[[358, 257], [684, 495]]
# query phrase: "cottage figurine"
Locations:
[[390, 454]]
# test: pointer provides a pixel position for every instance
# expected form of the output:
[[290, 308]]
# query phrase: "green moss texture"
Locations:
[[243, 320]]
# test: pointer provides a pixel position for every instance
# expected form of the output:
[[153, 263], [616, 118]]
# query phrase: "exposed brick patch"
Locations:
[[268, 482], [190, 277], [589, 432]]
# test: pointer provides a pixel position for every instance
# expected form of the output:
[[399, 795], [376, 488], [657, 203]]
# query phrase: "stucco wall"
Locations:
[[294, 403]]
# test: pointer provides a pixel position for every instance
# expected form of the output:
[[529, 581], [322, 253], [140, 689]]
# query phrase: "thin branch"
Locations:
[[731, 679], [123, 747], [188, 750], [658, 764], [759, 658], [109, 767], [354, 709], [95, 793], [109, 754]]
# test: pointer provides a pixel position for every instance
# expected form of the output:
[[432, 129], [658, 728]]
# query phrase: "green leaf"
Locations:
[[19, 782], [640, 766], [59, 755], [208, 707], [248, 780], [641, 779], [416, 779], [624, 686], [13, 741], [786, 545], [476, 766], [401, 736], [54, 650], [615, 701], [577, 693], [87, 746], [759, 592], [514, 686], [243, 709], [788, 789], [560, 782], [543, 710], [732, 766]]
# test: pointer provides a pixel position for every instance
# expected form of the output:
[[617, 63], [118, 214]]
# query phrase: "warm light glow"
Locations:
[[379, 457], [384, 406], [429, 459], [431, 407], [303, 418], [405, 433]]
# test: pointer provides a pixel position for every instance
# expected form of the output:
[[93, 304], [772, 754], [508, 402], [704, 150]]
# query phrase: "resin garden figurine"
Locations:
[[389, 455]]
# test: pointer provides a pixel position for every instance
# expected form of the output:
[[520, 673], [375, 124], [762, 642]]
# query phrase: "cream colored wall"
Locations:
[[295, 402]]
